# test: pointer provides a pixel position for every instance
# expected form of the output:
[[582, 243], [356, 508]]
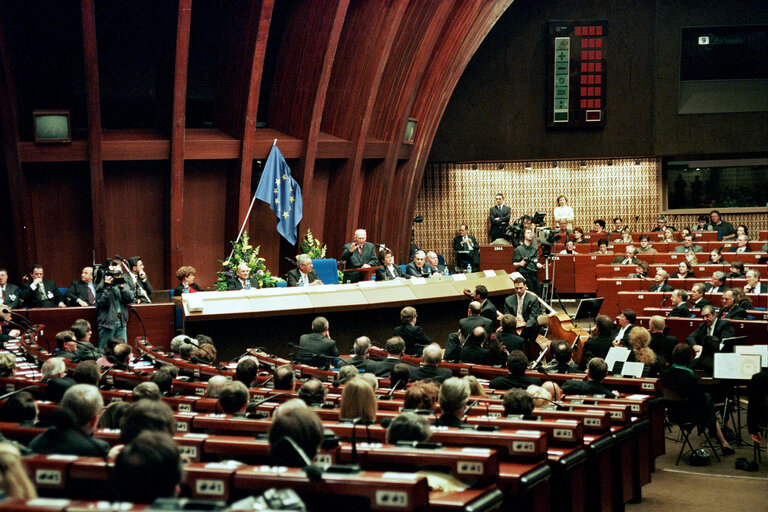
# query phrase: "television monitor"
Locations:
[[52, 126]]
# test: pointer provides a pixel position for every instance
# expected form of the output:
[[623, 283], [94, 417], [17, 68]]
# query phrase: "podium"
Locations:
[[364, 273]]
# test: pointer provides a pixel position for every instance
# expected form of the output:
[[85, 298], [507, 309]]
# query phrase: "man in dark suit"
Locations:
[[742, 244], [305, 275], [602, 338], [395, 347], [507, 334], [418, 267], [433, 262], [473, 352], [433, 356], [730, 309], [563, 363], [499, 216], [74, 425], [242, 279], [359, 254], [660, 343], [317, 348], [453, 397], [753, 282], [711, 326], [474, 319], [757, 412], [82, 292], [697, 296], [661, 282], [40, 292], [360, 349], [137, 281], [412, 334], [9, 293], [517, 362], [596, 372], [525, 306], [679, 305], [488, 309], [466, 248], [628, 258], [716, 283]]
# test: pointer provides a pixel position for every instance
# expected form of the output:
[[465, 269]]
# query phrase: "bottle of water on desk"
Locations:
[[186, 288], [469, 268], [247, 284], [301, 282], [446, 272]]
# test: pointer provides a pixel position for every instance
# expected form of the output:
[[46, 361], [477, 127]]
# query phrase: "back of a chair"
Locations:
[[679, 409], [327, 270]]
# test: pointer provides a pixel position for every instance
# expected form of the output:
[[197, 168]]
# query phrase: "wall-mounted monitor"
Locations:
[[52, 126]]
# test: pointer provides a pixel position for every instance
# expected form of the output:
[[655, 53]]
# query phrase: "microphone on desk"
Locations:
[[355, 423], [16, 392], [314, 473], [559, 406], [251, 409], [469, 407], [123, 366], [388, 396]]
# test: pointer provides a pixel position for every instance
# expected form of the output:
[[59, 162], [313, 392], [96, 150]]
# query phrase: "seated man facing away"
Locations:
[[284, 378], [661, 344], [149, 467], [517, 362], [473, 351], [517, 402], [433, 356], [596, 372], [295, 434], [408, 426], [361, 349], [317, 348], [312, 392], [453, 397], [395, 347], [412, 334], [562, 363], [233, 398]]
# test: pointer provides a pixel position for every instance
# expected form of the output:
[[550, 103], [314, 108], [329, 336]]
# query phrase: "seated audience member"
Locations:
[[679, 299], [641, 270], [736, 271], [371, 380], [312, 392], [412, 334], [242, 278], [432, 356], [418, 267], [474, 319], [757, 412], [361, 349], [629, 257], [702, 224], [683, 271], [145, 391], [408, 426], [716, 283], [453, 396], [598, 226], [688, 245], [87, 372], [149, 467], [742, 229], [346, 373], [563, 363], [55, 389], [178, 341], [112, 417], [487, 308], [541, 395], [304, 275], [399, 376], [7, 364], [205, 354], [601, 339], [53, 367], [82, 291], [742, 300], [660, 284], [507, 333], [742, 244], [40, 292], [639, 341], [730, 309], [20, 408], [526, 308], [473, 351], [186, 350], [395, 348], [626, 321], [74, 425], [517, 362], [669, 236], [697, 296], [753, 282], [466, 248], [65, 345], [213, 388], [246, 371], [645, 246], [596, 372], [293, 425], [421, 395], [705, 363], [9, 293], [475, 388], [711, 326], [626, 236], [121, 356], [284, 378], [570, 248], [146, 415], [661, 224], [578, 236], [85, 349], [358, 400], [187, 284], [435, 268], [317, 348], [618, 225], [389, 269], [602, 246], [233, 397], [14, 482], [163, 379], [681, 379], [517, 402], [715, 257], [495, 352]]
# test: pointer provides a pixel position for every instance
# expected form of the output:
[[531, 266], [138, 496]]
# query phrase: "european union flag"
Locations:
[[283, 194]]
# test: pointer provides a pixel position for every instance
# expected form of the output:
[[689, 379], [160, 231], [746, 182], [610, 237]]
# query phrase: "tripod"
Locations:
[[548, 291]]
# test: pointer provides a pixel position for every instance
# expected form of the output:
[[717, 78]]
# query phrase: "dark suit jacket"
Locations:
[[359, 258], [293, 277], [356, 361], [760, 288], [179, 290], [412, 271], [723, 329], [503, 212], [11, 296], [585, 387], [414, 338], [597, 346], [471, 257], [234, 283], [720, 289], [489, 311], [472, 353], [511, 381], [132, 286], [510, 340], [619, 259], [735, 313], [466, 325], [700, 303], [531, 308], [383, 273], [663, 287], [662, 345], [383, 368], [79, 290], [680, 311], [556, 367], [447, 420], [310, 345], [429, 371], [757, 413], [34, 298], [69, 442], [86, 352]]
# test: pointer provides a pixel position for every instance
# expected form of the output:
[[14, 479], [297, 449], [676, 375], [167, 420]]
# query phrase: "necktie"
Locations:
[[520, 306], [711, 330], [42, 290], [91, 296]]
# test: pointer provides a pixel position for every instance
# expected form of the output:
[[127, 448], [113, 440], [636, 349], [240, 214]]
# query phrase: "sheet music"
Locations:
[[736, 366], [616, 354], [632, 369], [760, 350]]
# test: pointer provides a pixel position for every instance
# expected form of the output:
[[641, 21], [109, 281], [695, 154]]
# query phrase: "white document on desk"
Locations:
[[736, 366], [760, 350], [616, 354]]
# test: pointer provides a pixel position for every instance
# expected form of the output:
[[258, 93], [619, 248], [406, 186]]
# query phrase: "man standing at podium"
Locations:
[[359, 254]]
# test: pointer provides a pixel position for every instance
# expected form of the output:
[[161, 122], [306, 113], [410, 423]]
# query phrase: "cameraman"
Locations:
[[112, 298], [526, 261]]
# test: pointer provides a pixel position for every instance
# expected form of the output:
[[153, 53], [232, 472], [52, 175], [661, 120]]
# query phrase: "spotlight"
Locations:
[[554, 164], [528, 166], [610, 163], [501, 167], [637, 161], [474, 167], [582, 164]]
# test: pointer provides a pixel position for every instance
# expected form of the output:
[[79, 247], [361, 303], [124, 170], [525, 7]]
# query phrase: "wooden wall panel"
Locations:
[[137, 215]]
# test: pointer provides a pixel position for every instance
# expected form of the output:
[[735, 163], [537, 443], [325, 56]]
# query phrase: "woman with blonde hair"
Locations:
[[475, 389], [14, 481], [639, 339], [358, 400]]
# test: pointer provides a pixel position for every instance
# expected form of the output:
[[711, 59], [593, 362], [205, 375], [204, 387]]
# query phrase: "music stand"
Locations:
[[589, 308]]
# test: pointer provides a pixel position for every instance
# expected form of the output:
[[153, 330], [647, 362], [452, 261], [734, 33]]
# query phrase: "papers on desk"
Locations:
[[489, 273], [736, 366], [459, 277], [616, 354], [632, 369], [418, 280], [760, 350]]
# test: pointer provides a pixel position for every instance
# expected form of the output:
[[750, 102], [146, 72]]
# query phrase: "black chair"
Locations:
[[682, 413]]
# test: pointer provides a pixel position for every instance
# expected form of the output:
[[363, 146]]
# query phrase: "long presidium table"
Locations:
[[273, 317]]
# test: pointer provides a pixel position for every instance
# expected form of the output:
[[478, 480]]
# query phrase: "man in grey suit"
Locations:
[[305, 275], [317, 348], [688, 245], [524, 305], [359, 254]]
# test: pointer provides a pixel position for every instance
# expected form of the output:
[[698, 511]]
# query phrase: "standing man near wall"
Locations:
[[499, 217]]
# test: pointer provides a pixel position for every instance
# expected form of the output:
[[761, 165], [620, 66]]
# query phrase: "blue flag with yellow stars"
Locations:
[[283, 194]]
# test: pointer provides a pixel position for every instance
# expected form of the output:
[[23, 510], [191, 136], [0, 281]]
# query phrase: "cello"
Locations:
[[562, 327]]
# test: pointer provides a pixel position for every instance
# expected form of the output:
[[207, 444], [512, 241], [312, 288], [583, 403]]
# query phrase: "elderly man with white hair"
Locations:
[[418, 267], [305, 275], [753, 282], [359, 254], [53, 367], [242, 278]]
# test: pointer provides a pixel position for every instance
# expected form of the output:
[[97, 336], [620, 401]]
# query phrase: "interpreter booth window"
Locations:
[[721, 184]]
